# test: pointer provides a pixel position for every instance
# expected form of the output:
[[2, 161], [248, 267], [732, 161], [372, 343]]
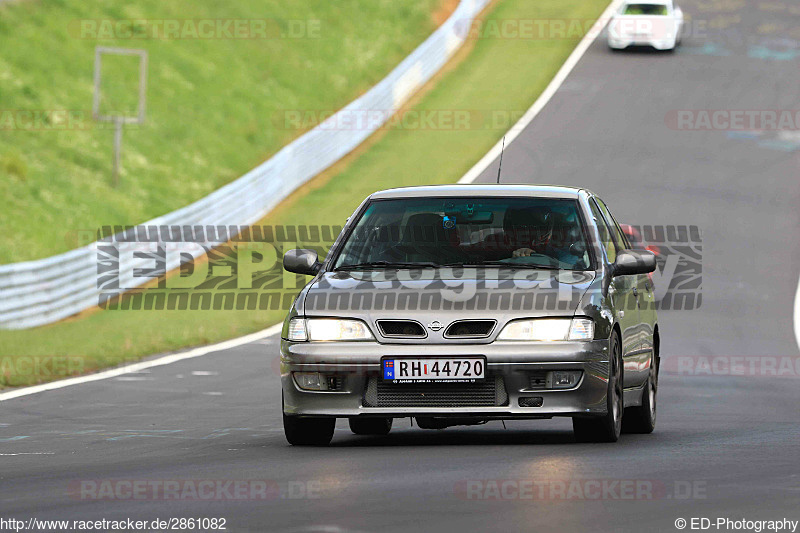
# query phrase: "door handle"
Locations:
[[635, 292]]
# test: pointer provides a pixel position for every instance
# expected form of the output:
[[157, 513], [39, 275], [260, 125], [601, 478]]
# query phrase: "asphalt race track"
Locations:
[[725, 446]]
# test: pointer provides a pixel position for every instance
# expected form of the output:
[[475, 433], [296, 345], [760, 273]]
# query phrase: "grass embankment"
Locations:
[[495, 77], [215, 101]]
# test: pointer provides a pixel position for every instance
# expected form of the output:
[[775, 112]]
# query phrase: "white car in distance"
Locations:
[[654, 23]]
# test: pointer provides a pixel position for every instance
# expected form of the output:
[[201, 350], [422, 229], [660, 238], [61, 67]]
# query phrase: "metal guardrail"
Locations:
[[39, 292]]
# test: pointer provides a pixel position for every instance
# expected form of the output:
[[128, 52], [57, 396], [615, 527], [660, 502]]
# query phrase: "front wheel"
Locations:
[[308, 431], [608, 427]]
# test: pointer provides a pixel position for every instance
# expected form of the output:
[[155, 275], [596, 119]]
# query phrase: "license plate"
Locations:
[[416, 370]]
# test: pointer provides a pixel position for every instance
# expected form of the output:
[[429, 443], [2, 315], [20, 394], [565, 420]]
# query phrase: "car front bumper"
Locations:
[[356, 363], [624, 42]]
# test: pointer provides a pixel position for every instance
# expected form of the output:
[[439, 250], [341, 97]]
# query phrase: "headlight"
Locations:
[[327, 329], [548, 329]]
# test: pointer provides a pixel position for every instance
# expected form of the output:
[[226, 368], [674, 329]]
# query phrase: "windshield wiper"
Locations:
[[502, 264], [386, 264]]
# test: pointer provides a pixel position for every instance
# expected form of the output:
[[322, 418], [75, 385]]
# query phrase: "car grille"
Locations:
[[401, 328], [470, 328], [491, 392]]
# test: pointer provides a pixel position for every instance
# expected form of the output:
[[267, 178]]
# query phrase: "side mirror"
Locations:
[[301, 262], [634, 262]]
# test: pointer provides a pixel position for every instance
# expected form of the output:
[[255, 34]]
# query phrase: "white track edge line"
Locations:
[[547, 94], [469, 177], [136, 367]]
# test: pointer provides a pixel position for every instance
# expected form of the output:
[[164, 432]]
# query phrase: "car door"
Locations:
[[646, 302], [622, 299], [642, 299]]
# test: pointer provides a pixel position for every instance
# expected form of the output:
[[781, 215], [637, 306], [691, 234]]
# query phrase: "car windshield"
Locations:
[[542, 233], [645, 9]]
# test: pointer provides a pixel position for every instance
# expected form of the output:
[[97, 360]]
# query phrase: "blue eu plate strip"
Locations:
[[388, 369]]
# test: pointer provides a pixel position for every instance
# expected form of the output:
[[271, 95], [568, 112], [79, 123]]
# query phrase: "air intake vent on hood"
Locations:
[[401, 328], [470, 328]]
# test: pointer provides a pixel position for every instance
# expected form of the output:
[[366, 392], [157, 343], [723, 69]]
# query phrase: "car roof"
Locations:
[[540, 191]]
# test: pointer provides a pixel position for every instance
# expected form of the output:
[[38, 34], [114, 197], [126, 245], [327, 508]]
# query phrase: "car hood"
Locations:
[[445, 296]]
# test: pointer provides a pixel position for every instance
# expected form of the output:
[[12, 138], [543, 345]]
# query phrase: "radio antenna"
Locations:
[[499, 168]]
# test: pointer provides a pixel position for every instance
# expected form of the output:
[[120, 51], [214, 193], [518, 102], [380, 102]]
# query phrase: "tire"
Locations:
[[608, 427], [370, 426], [642, 419], [301, 431]]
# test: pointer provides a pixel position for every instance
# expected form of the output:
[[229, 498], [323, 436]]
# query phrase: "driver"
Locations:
[[528, 230], [532, 231]]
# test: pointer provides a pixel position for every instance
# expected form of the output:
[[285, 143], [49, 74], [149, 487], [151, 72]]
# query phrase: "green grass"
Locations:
[[497, 75], [212, 104]]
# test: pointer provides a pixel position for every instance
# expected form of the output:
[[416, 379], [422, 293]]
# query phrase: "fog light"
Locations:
[[311, 380], [564, 379]]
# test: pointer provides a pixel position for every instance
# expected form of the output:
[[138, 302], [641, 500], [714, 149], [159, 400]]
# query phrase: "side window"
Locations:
[[605, 236], [619, 236], [626, 242]]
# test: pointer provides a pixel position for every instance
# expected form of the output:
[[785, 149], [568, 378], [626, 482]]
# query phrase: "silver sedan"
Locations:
[[456, 305]]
